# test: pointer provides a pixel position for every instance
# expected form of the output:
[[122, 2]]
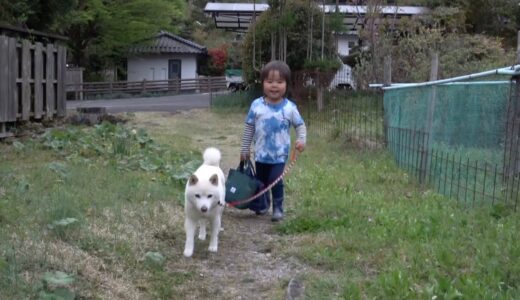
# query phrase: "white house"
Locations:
[[165, 56]]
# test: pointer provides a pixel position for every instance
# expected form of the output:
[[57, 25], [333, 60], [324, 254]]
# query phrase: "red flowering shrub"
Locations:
[[217, 61]]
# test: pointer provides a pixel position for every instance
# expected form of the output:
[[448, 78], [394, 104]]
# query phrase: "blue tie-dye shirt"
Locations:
[[272, 139]]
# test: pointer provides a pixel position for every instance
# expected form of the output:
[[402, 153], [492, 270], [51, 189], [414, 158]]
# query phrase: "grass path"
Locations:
[[248, 264]]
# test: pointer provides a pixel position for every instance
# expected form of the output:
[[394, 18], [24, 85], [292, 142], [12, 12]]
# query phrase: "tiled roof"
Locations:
[[166, 42]]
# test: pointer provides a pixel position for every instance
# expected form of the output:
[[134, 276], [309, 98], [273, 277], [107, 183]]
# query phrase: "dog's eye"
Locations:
[[210, 195], [197, 196]]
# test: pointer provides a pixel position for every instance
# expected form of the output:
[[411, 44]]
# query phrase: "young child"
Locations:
[[268, 125]]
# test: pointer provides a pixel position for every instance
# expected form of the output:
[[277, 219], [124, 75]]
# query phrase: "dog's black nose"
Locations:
[[204, 209]]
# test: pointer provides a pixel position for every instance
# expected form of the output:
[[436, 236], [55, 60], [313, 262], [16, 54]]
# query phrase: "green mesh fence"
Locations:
[[453, 137], [465, 114]]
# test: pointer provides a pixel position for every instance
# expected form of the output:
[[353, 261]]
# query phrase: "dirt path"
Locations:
[[249, 263]]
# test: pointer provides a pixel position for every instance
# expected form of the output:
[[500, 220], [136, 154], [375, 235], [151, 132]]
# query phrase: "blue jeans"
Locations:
[[267, 173]]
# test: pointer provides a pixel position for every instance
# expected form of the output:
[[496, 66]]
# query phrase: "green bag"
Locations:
[[240, 184]]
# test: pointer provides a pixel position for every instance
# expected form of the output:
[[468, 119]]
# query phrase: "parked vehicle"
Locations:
[[234, 80], [343, 79]]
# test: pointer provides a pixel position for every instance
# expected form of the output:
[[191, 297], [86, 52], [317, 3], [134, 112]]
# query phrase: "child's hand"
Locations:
[[244, 157], [300, 146]]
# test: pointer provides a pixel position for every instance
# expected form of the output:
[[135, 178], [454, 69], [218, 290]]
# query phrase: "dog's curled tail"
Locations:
[[212, 157]]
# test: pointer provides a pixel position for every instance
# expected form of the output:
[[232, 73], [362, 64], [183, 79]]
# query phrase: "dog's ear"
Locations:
[[214, 179], [193, 180]]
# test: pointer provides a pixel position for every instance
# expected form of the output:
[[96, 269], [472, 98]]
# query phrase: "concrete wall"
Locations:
[[345, 43], [155, 67], [343, 48]]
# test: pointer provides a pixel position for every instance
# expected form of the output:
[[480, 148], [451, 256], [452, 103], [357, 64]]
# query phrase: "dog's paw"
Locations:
[[188, 253], [202, 237], [212, 249]]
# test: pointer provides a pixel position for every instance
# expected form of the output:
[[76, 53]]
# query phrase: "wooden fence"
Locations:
[[89, 90], [32, 80], [73, 76]]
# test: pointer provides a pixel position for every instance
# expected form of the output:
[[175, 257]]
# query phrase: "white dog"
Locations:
[[204, 201]]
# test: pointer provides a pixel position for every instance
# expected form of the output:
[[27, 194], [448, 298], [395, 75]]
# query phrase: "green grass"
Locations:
[[237, 101], [377, 236], [83, 193], [233, 102]]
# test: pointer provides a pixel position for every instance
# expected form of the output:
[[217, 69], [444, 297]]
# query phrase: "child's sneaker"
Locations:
[[262, 211], [277, 215]]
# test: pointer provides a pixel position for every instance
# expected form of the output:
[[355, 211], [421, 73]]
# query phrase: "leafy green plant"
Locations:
[[154, 259], [55, 286], [327, 65], [126, 148]]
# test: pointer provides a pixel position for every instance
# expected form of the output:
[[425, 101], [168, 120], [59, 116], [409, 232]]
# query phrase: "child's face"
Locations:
[[274, 86]]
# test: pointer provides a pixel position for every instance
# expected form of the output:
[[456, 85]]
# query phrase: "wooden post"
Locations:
[[12, 90], [49, 82], [425, 161], [26, 77], [518, 48], [516, 78], [4, 74], [61, 68], [387, 81], [319, 91], [435, 67], [514, 161], [511, 145], [38, 79], [387, 75], [210, 92]]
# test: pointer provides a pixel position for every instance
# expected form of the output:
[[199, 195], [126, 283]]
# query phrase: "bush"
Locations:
[[411, 47]]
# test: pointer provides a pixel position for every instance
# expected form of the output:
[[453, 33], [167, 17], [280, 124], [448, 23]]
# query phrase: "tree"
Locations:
[[493, 18], [34, 14], [100, 31], [281, 34], [490, 17]]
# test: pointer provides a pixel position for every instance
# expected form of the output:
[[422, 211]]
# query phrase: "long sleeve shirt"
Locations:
[[268, 126]]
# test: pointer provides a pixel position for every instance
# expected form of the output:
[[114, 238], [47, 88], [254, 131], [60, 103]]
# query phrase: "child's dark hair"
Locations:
[[276, 65]]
